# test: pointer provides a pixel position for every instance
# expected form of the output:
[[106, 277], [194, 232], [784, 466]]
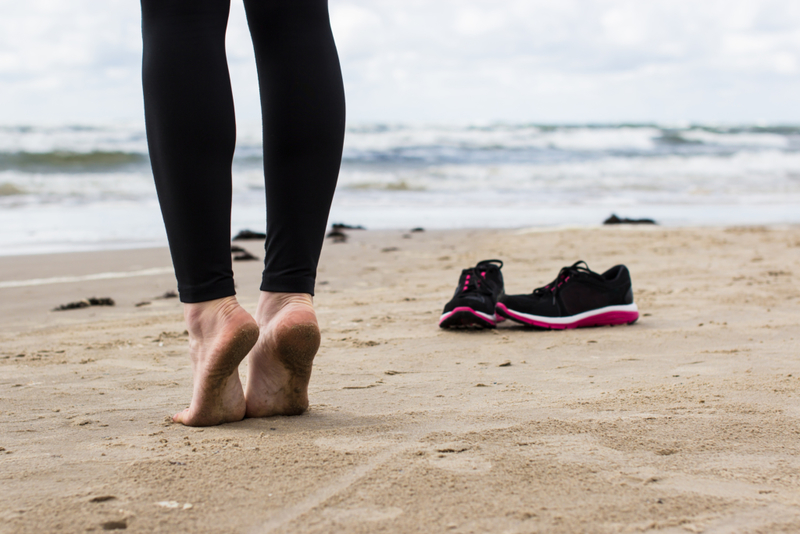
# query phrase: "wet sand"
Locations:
[[687, 421]]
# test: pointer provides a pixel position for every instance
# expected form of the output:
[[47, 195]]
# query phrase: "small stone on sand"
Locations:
[[102, 498]]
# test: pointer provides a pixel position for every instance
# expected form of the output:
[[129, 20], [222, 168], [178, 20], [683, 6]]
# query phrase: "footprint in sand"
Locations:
[[348, 444], [361, 514], [459, 459]]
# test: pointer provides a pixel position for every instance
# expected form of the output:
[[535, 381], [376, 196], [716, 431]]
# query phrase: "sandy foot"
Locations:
[[279, 367], [221, 333]]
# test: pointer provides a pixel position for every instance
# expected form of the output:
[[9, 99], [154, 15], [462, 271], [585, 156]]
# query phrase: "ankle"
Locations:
[[205, 318], [272, 303]]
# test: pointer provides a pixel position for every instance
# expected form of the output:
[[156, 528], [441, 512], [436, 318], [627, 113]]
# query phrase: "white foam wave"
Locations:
[[501, 136], [82, 139], [770, 173], [586, 173], [386, 139], [745, 139], [63, 188]]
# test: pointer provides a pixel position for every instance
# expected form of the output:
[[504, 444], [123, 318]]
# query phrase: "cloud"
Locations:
[[471, 21], [68, 59], [579, 60], [356, 28], [446, 60]]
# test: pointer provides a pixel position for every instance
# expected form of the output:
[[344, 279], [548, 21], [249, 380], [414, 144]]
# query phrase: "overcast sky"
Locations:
[[78, 61]]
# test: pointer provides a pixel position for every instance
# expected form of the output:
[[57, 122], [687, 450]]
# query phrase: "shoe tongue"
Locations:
[[482, 267]]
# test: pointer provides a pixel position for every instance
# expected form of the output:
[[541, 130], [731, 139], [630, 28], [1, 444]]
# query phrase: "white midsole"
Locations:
[[476, 312], [572, 318]]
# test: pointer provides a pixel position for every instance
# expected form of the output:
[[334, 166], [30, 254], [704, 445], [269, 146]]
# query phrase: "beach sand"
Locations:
[[687, 421]]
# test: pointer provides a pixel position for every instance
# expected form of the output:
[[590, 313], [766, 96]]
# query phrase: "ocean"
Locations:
[[69, 188]]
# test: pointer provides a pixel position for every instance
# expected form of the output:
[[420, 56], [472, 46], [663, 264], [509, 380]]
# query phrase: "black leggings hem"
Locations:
[[205, 292], [287, 284]]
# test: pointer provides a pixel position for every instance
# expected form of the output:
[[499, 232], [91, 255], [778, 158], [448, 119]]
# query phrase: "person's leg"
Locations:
[[191, 135], [302, 100]]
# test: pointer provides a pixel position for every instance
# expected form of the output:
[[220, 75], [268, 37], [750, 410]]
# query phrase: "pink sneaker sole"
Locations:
[[466, 317], [610, 315]]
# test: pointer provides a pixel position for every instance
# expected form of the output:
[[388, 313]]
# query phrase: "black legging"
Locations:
[[191, 133]]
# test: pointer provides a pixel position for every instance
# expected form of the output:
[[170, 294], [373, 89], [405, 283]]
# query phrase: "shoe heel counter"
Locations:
[[629, 296], [624, 281]]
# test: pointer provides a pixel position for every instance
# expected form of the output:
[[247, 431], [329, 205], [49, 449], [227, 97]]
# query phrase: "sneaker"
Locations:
[[577, 297], [473, 304]]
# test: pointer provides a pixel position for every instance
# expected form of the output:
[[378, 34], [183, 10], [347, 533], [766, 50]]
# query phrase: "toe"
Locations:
[[180, 417]]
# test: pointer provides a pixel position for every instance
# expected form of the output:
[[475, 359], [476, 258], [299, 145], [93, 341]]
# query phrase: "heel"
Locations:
[[297, 346]]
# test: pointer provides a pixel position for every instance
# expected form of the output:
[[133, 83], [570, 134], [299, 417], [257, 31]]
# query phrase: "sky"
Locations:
[[445, 61]]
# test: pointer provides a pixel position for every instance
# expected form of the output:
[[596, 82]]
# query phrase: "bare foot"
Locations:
[[279, 366], [221, 333]]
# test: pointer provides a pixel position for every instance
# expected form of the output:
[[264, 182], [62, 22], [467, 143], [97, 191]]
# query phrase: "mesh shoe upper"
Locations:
[[478, 288], [575, 290]]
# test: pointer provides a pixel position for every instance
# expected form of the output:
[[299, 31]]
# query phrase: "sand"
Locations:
[[687, 421]]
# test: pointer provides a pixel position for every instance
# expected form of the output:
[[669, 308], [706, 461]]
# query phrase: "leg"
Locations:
[[191, 134], [302, 100]]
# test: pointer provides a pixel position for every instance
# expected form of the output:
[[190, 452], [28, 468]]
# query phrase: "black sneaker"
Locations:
[[473, 304], [577, 297]]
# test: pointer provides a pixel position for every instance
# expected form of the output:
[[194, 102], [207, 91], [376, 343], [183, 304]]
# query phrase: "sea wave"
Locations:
[[537, 144], [69, 161], [73, 138], [121, 147], [67, 187]]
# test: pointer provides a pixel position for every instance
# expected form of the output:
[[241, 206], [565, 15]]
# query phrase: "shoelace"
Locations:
[[579, 267], [474, 278]]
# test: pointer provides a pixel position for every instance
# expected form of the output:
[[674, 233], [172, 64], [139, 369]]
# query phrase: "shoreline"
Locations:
[[154, 244], [684, 421]]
